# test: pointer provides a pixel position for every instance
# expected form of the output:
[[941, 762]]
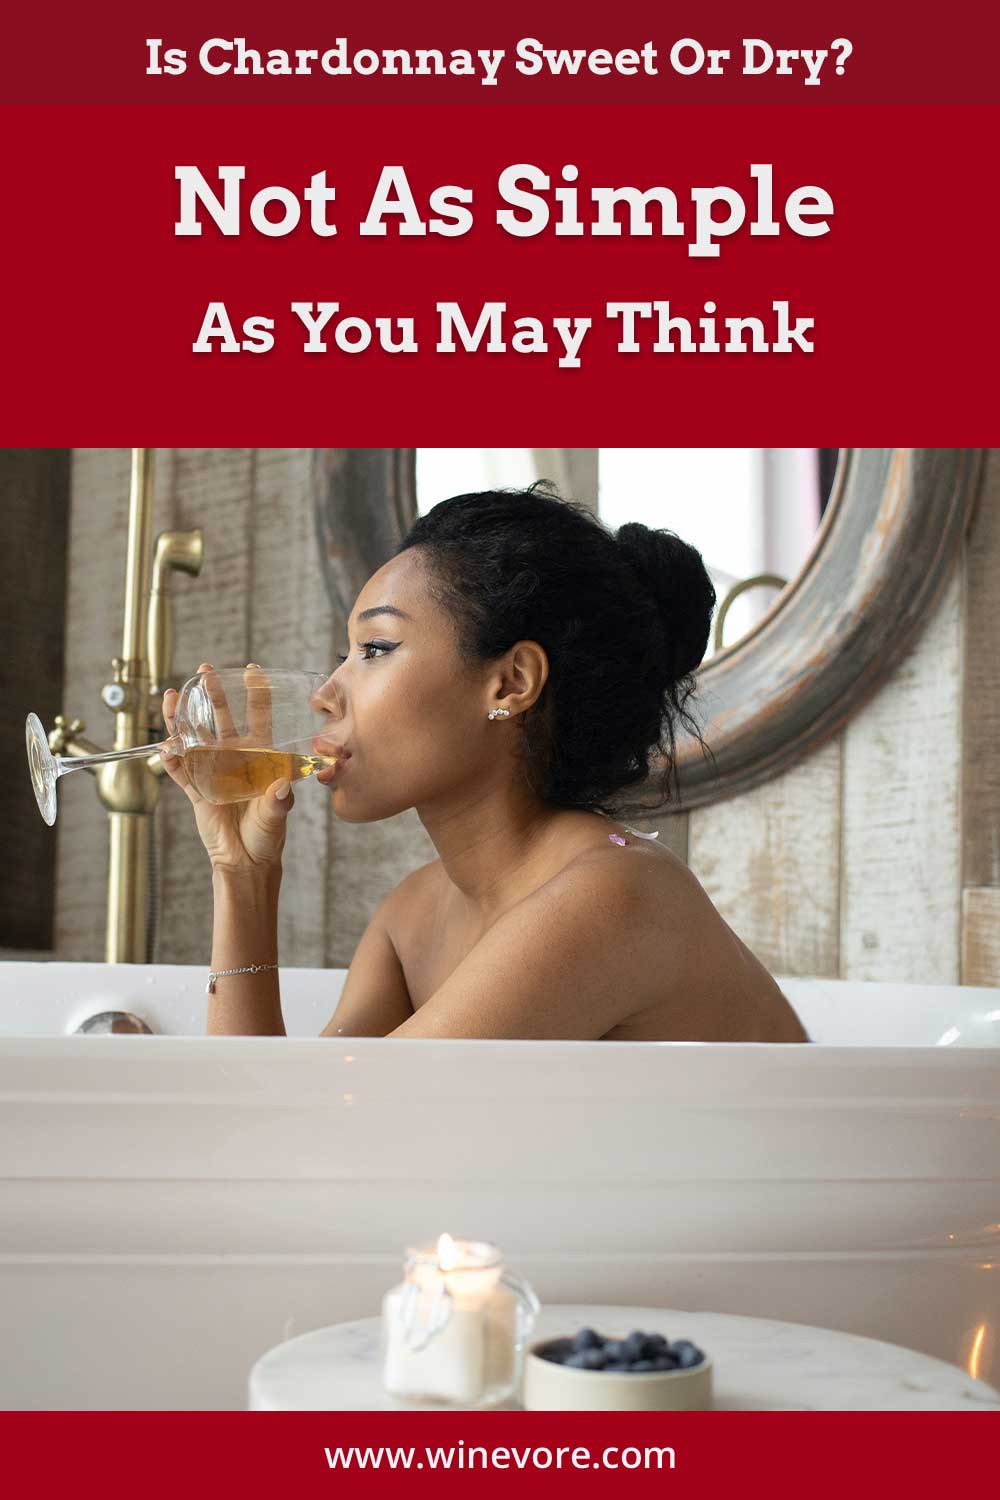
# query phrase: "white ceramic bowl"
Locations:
[[547, 1386]]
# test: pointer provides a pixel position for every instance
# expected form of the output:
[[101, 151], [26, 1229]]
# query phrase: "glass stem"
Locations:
[[172, 746]]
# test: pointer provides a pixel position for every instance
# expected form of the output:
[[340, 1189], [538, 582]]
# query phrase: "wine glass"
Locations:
[[238, 730]]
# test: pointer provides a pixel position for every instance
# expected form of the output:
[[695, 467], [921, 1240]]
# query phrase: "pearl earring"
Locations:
[[496, 713]]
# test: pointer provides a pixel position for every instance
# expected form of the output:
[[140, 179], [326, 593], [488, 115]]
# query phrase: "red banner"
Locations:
[[680, 1454], [226, 225], [883, 324]]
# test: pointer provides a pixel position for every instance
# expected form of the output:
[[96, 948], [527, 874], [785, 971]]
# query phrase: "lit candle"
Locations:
[[450, 1328]]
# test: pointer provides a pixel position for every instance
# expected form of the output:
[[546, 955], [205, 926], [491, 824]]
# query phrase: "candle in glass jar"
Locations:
[[449, 1328]]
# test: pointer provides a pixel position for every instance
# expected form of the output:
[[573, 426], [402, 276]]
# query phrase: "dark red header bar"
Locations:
[[524, 52]]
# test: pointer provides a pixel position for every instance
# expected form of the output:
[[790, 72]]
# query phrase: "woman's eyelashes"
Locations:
[[365, 646]]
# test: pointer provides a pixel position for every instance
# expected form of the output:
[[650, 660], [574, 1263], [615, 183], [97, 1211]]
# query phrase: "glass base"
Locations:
[[42, 765]]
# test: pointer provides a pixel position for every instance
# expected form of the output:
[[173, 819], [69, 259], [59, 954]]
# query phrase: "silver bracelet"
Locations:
[[218, 973]]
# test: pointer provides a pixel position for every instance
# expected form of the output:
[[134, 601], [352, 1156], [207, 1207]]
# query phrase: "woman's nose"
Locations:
[[329, 699]]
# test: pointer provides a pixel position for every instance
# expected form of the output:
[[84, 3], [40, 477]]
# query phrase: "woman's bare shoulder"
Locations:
[[410, 897], [648, 888], [653, 881], [650, 866], [663, 894], [713, 987], [418, 880]]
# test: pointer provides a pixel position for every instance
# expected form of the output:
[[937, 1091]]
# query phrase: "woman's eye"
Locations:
[[366, 646]]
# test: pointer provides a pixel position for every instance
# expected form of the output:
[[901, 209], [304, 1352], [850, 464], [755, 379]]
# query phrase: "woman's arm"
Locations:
[[571, 961], [375, 999], [245, 932]]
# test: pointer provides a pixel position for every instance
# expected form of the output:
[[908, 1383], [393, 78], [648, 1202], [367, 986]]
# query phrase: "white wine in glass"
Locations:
[[238, 730], [233, 775]]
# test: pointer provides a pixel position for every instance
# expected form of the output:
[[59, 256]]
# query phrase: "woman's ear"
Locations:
[[523, 674]]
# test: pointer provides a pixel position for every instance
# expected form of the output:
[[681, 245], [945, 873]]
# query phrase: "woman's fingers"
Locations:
[[271, 810], [258, 705], [225, 729], [171, 696], [174, 766]]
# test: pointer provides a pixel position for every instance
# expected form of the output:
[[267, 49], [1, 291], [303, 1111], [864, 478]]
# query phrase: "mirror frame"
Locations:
[[880, 559], [364, 502]]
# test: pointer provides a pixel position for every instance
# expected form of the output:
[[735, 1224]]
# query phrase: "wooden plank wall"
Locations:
[[900, 830], [34, 504], [95, 602], [847, 866], [877, 857], [980, 778], [769, 859]]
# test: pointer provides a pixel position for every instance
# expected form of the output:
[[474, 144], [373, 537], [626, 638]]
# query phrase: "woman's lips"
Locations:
[[323, 746], [329, 772]]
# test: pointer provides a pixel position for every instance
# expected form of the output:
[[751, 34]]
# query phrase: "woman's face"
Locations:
[[411, 712]]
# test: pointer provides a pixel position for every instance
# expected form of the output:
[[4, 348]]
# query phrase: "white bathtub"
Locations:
[[173, 1205]]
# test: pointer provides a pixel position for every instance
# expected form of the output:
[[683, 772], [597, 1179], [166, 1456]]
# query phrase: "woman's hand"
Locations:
[[237, 835]]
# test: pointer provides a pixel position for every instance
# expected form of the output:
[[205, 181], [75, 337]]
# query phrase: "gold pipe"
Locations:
[[128, 788], [138, 568], [180, 552], [128, 888]]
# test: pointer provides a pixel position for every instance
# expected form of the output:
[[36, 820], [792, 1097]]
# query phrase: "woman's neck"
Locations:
[[495, 846]]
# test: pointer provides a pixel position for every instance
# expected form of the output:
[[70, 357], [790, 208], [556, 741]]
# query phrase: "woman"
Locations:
[[508, 673]]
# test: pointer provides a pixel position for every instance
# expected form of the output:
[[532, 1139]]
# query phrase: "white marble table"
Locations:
[[760, 1365]]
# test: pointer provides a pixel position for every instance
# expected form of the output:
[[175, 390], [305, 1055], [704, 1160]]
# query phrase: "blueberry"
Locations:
[[635, 1345], [593, 1359], [587, 1339], [639, 1353], [686, 1353]]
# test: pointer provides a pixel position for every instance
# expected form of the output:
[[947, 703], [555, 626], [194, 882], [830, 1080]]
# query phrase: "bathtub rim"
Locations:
[[909, 1050]]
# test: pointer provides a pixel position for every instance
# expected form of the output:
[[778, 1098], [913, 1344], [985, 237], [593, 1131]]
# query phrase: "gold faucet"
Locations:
[[129, 789]]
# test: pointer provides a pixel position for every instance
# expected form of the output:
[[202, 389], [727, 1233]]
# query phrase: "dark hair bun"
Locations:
[[674, 574], [623, 619]]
